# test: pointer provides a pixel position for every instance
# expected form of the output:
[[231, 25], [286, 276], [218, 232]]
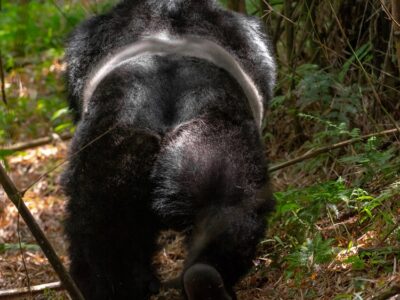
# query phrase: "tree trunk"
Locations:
[[289, 32], [396, 23], [20, 36], [264, 7]]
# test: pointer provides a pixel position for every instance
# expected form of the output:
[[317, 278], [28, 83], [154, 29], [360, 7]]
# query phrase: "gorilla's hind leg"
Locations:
[[222, 248], [112, 265], [110, 225]]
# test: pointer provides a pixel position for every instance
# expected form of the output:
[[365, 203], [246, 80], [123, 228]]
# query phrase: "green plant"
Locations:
[[306, 258], [298, 210]]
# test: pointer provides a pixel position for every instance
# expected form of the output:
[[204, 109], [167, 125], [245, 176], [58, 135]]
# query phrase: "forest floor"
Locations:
[[266, 280]]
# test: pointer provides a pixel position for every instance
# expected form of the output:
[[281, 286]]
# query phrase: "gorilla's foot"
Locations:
[[203, 282]]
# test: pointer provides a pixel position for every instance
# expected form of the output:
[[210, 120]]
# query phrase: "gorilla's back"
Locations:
[[181, 88]]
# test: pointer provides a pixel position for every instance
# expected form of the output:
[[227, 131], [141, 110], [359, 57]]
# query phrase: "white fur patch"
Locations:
[[254, 39], [145, 61], [162, 35], [170, 5]]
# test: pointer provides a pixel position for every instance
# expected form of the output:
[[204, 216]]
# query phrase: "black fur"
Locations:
[[175, 147]]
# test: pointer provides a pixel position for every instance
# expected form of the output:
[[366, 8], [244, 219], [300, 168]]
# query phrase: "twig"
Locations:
[[15, 197], [2, 79], [19, 293], [22, 252], [329, 148], [35, 143], [271, 9], [389, 14], [3, 84], [65, 160]]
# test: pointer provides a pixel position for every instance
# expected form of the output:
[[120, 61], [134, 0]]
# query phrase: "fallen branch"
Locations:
[[22, 293], [329, 148], [36, 143], [15, 197], [18, 293]]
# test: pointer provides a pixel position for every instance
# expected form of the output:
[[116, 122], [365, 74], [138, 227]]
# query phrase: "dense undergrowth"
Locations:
[[336, 213]]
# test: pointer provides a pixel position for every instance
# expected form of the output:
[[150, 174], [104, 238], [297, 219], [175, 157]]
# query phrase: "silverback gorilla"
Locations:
[[168, 97]]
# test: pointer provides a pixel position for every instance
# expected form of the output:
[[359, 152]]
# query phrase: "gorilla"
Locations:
[[168, 97]]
